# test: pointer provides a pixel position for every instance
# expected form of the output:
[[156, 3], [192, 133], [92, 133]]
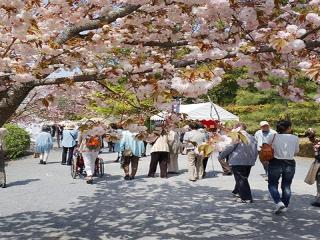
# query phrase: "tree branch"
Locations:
[[159, 44], [105, 18], [310, 32]]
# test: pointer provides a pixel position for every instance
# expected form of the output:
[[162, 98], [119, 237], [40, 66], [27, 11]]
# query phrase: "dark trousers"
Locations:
[[318, 187], [162, 158], [2, 166], [205, 163], [242, 187], [286, 170], [68, 151], [134, 160]]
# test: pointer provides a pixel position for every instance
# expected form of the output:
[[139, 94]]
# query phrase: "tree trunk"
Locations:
[[11, 100]]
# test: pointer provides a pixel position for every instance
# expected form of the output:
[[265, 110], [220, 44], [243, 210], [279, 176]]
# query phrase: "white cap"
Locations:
[[264, 123]]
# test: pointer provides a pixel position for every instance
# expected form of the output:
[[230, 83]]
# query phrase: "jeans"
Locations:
[[285, 169], [241, 174]]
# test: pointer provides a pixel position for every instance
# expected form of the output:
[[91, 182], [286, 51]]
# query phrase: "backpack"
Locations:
[[266, 153], [93, 142]]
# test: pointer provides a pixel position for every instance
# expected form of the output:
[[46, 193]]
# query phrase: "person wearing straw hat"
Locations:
[[69, 142]]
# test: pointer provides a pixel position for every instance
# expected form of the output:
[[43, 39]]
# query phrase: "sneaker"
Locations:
[[131, 177], [3, 185], [41, 162], [90, 181], [127, 177], [315, 204], [227, 174], [285, 209], [236, 195], [44, 163], [279, 208]]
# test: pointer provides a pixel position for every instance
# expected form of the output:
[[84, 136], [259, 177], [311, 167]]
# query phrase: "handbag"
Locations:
[[266, 153], [36, 155], [312, 173]]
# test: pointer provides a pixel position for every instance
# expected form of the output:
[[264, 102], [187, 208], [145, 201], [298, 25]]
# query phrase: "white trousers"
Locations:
[[44, 156], [89, 159]]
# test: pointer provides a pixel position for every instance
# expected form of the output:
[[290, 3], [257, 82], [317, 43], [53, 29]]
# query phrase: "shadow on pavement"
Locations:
[[23, 182], [143, 209]]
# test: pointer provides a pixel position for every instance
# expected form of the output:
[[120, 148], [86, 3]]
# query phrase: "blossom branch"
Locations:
[[105, 18]]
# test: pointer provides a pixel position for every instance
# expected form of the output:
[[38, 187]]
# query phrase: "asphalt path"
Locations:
[[44, 202]]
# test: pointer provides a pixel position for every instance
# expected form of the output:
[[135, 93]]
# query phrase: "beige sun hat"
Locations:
[[70, 126]]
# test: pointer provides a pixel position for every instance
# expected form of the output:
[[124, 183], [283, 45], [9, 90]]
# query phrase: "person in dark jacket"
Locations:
[[242, 156]]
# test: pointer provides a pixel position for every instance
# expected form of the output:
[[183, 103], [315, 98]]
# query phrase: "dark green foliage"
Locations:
[[245, 97], [17, 141]]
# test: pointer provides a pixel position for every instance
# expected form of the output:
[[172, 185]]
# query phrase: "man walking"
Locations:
[[194, 139], [69, 142], [262, 137], [132, 150]]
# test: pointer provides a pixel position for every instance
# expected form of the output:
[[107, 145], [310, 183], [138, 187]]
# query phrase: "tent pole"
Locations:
[[215, 109]]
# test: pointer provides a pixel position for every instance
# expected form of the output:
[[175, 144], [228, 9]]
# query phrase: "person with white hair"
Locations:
[[3, 132], [44, 144]]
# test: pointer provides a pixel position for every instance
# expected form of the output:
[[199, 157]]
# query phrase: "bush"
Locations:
[[303, 115], [17, 141], [245, 97]]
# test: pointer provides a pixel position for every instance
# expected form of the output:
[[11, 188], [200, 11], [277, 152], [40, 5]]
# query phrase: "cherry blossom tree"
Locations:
[[156, 48]]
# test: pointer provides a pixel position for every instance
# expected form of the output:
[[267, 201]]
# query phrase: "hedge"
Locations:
[[17, 141]]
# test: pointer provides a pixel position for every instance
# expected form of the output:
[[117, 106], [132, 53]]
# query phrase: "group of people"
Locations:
[[236, 155]]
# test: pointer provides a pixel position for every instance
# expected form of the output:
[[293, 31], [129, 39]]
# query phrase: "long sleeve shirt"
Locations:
[[240, 153], [195, 136], [128, 142]]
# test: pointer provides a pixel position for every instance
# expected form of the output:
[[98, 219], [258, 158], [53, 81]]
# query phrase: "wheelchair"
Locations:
[[77, 167]]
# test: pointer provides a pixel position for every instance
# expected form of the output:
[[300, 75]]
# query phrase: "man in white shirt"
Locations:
[[262, 137], [194, 139]]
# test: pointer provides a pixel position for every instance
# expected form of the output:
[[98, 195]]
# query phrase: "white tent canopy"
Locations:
[[201, 111]]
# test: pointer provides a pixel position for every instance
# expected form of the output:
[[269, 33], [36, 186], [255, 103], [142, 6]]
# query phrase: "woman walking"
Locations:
[[242, 156], [285, 146], [90, 145], [44, 144], [160, 154]]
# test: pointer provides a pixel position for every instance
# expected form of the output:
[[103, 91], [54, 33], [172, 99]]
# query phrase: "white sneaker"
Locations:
[[285, 209], [279, 208]]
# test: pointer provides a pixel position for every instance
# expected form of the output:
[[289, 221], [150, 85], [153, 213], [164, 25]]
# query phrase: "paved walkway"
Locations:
[[44, 202]]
